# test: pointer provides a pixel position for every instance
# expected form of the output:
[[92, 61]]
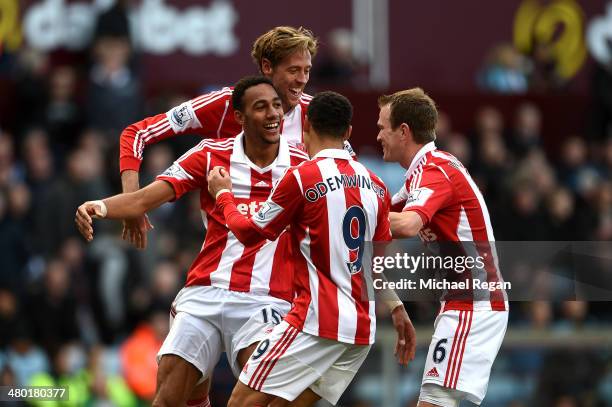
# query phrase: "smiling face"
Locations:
[[391, 140], [289, 76], [262, 114]]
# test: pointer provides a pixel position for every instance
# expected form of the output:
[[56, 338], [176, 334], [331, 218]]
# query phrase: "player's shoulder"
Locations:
[[220, 145], [305, 99], [376, 179], [443, 162], [297, 154], [219, 96]]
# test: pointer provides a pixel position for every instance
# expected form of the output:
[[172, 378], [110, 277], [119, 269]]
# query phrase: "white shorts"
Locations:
[[210, 320], [289, 361], [462, 350]]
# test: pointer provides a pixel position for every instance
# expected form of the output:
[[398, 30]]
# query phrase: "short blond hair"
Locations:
[[415, 108], [280, 42]]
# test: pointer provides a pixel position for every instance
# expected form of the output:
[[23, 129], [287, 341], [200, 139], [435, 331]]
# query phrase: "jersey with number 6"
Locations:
[[442, 192], [334, 205]]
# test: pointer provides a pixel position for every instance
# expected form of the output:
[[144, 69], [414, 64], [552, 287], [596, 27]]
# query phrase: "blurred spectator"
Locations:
[[493, 164], [526, 133], [107, 389], [9, 317], [505, 71], [138, 353], [574, 169], [338, 67], [63, 116], [523, 219], [561, 221], [544, 76], [68, 371], [31, 90], [603, 208], [114, 99], [600, 112], [84, 180], [58, 324], [14, 248], [540, 315], [457, 145], [8, 168], [25, 358]]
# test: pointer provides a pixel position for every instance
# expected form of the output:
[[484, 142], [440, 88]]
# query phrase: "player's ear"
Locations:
[[239, 116], [266, 66], [347, 133], [406, 134]]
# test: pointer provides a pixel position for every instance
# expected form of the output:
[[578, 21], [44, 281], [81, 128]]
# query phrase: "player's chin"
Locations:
[[271, 138]]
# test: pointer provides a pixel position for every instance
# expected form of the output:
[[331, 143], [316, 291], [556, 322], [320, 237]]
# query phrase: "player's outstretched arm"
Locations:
[[130, 205], [134, 229], [405, 224]]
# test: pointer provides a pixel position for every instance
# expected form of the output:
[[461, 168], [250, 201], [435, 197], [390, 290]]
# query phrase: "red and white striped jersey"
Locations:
[[333, 205], [224, 261], [209, 116], [442, 192]]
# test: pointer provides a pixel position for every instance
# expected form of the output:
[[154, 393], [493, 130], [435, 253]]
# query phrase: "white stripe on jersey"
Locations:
[[464, 231], [311, 324], [138, 145], [240, 173], [207, 96], [263, 264], [227, 102], [233, 250], [202, 103]]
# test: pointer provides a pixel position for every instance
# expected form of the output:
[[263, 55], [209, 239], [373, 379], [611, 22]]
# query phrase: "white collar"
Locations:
[[431, 146], [238, 155], [333, 153]]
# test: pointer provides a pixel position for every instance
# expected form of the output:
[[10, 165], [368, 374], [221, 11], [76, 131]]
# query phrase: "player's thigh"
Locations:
[[307, 398], [243, 396], [176, 380], [246, 323], [195, 340]]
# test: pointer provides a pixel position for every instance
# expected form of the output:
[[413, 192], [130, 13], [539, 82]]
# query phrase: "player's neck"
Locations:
[[410, 153], [261, 154], [318, 144]]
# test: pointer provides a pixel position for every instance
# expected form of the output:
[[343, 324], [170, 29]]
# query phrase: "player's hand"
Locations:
[[135, 231], [218, 179], [405, 347], [84, 218]]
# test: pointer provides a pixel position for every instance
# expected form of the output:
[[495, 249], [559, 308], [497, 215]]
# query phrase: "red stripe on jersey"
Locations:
[[358, 289], [242, 270], [281, 270]]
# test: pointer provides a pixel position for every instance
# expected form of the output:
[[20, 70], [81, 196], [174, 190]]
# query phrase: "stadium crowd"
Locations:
[[93, 316]]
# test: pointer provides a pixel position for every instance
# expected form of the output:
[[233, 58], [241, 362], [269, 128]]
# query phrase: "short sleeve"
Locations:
[[432, 193], [188, 173]]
